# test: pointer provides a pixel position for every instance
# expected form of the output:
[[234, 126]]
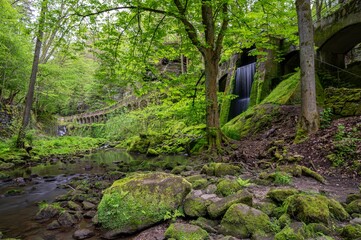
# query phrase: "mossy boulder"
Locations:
[[279, 195], [228, 187], [343, 101], [243, 221], [141, 200], [218, 209], [288, 233], [195, 206], [351, 232], [314, 209], [354, 206], [221, 169], [181, 231], [198, 181]]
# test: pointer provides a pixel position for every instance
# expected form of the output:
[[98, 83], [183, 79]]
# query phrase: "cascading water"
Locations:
[[62, 130], [243, 84]]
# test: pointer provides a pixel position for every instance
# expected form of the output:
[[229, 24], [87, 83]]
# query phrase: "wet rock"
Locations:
[[47, 213], [217, 209], [20, 181], [186, 231], [243, 221], [89, 214], [88, 205], [66, 219], [83, 234], [145, 196], [53, 225]]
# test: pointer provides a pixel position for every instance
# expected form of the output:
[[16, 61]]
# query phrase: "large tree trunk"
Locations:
[[309, 121], [212, 112], [30, 95]]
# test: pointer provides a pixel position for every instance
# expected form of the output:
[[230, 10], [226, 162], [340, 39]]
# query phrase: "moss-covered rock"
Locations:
[[351, 232], [243, 221], [266, 207], [217, 209], [354, 206], [207, 224], [221, 169], [343, 101], [314, 208], [284, 220], [195, 206], [141, 200], [279, 195], [198, 181], [181, 231], [288, 233], [228, 187]]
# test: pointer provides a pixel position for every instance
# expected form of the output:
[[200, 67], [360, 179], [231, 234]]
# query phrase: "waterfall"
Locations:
[[242, 88], [61, 130]]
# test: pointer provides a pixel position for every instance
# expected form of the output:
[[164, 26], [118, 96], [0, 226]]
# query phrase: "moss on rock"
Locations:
[[141, 200], [217, 209], [314, 208], [351, 232], [195, 206], [243, 221], [288, 233], [354, 206], [228, 187], [279, 195], [221, 169], [181, 231]]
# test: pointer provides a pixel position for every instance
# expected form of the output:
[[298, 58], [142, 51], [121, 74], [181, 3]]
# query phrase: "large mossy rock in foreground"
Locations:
[[141, 200], [315, 209], [243, 221]]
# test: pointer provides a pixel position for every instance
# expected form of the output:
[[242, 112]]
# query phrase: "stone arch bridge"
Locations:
[[101, 115], [338, 33]]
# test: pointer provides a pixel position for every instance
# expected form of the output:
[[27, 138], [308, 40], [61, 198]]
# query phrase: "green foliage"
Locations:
[[244, 183], [64, 145], [345, 146], [282, 178], [326, 118], [173, 215]]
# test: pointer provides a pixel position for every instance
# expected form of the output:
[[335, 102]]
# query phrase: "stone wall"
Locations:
[[343, 101]]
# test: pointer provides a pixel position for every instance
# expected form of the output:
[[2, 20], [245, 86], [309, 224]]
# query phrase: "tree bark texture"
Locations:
[[30, 95], [309, 120]]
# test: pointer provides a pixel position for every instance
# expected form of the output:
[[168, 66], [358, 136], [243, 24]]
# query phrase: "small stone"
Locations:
[[89, 214], [74, 206], [83, 234], [53, 225], [66, 219]]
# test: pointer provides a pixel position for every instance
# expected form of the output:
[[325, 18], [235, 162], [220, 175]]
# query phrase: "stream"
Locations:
[[21, 194]]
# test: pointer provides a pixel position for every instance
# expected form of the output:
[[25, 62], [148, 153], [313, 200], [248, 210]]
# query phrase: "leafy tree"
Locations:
[[14, 53], [309, 121]]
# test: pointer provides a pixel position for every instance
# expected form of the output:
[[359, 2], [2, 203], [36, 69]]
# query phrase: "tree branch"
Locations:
[[190, 29], [222, 30]]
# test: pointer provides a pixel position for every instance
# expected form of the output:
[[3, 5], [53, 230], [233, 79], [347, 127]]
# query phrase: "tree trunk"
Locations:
[[20, 143], [309, 121], [212, 112]]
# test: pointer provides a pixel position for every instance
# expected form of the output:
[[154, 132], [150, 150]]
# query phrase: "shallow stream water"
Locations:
[[20, 196]]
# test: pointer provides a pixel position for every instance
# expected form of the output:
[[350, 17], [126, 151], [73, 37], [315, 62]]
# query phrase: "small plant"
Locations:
[[173, 216], [281, 178], [243, 183], [341, 132], [326, 118]]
